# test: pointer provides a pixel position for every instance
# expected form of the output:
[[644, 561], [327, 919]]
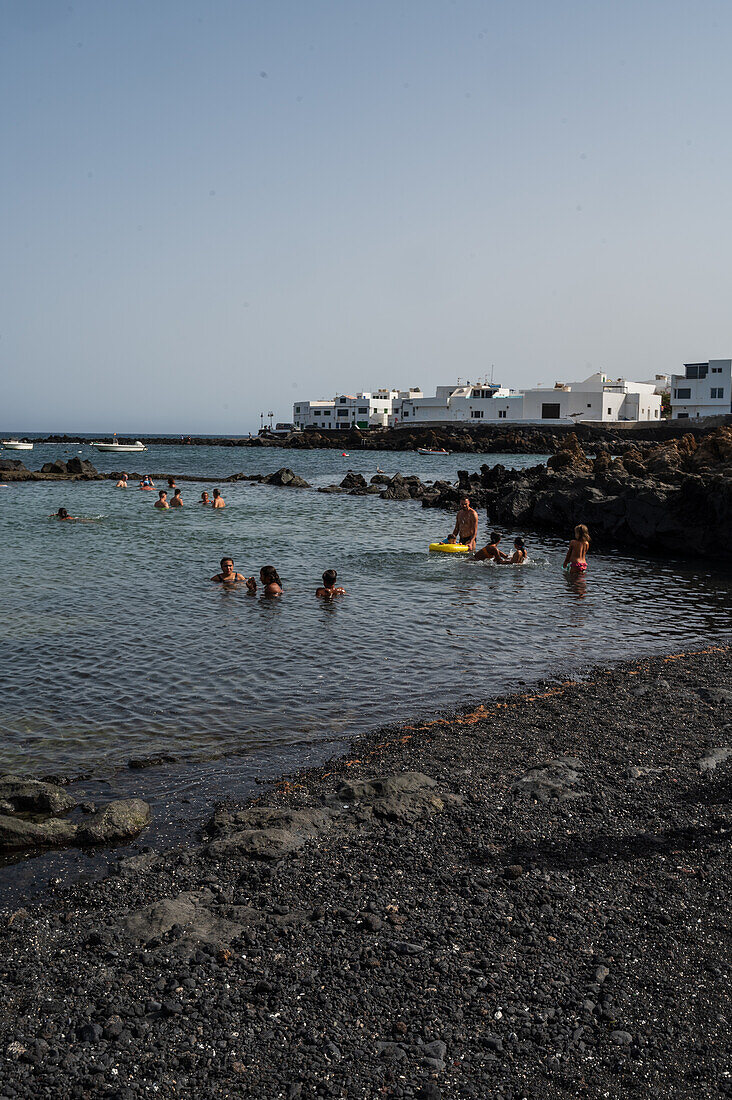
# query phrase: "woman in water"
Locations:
[[205, 498], [575, 563], [269, 577], [519, 554]]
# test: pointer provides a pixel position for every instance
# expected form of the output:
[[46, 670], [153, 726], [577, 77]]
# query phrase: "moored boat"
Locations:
[[431, 451], [16, 445], [120, 448]]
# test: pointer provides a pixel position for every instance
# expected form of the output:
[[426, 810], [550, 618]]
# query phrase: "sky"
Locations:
[[211, 210]]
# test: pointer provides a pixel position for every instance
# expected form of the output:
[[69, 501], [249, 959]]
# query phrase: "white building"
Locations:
[[597, 399], [704, 389], [364, 410]]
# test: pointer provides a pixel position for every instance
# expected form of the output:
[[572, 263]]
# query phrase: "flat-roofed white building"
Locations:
[[363, 410], [597, 399], [704, 389]]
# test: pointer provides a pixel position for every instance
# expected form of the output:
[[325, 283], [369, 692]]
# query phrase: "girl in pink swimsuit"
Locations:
[[575, 562]]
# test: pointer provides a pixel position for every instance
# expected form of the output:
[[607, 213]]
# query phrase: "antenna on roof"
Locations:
[[491, 373]]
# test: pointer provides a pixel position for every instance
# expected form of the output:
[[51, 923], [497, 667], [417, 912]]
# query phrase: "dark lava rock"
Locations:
[[285, 478]]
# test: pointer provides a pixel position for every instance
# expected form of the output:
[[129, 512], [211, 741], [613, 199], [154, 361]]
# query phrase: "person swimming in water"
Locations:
[[228, 574], [176, 502], [171, 483], [122, 483], [519, 554], [218, 500], [162, 501], [269, 577], [330, 588], [61, 514], [147, 482], [490, 552], [205, 498], [575, 563]]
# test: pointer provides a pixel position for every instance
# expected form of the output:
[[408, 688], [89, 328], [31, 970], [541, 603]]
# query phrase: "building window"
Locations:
[[682, 416], [609, 412], [696, 370], [716, 370], [501, 414], [343, 412], [683, 395], [718, 392], [655, 413], [326, 412], [549, 411], [362, 411], [477, 414]]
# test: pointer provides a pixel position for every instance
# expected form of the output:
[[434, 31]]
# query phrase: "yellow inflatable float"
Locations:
[[449, 548]]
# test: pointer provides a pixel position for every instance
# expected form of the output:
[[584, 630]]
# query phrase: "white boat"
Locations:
[[431, 451], [120, 448], [14, 445]]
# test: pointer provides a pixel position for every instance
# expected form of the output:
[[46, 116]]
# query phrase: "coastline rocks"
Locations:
[[553, 781], [188, 914], [264, 832], [285, 478], [353, 481], [120, 820], [399, 798], [34, 796], [117, 822], [675, 496]]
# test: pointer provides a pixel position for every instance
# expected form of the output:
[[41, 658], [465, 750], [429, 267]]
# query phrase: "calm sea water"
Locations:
[[115, 644]]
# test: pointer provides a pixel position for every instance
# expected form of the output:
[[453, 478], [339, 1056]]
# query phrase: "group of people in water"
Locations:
[[176, 501], [270, 580], [465, 533]]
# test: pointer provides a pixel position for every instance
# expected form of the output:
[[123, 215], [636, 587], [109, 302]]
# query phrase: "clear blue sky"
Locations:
[[212, 209]]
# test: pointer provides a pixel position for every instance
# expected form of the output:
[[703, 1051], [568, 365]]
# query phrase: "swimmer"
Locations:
[[147, 482], [176, 502], [519, 554], [61, 514], [205, 498], [171, 483], [451, 540], [162, 501], [218, 500], [491, 551], [122, 483], [466, 524], [270, 579], [228, 575], [330, 588], [575, 563]]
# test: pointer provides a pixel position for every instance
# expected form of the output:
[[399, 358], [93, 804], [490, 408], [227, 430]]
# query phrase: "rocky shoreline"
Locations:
[[458, 438], [528, 899]]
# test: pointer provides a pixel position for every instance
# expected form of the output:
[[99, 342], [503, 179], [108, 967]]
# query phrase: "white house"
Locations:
[[364, 410], [597, 399], [704, 389]]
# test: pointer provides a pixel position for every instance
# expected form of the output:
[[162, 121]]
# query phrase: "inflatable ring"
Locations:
[[449, 548]]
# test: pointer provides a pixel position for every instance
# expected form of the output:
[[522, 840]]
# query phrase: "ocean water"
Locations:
[[114, 643]]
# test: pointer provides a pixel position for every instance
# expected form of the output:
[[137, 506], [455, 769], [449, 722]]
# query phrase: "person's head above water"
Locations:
[[162, 494], [581, 533], [176, 493], [495, 537], [62, 514], [464, 502], [519, 544], [227, 565], [329, 578], [204, 495], [269, 575], [216, 493]]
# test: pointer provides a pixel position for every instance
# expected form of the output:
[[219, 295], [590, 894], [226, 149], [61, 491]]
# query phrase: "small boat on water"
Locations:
[[16, 445], [430, 451], [120, 448]]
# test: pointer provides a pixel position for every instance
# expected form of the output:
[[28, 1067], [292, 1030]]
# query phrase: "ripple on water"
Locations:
[[119, 646]]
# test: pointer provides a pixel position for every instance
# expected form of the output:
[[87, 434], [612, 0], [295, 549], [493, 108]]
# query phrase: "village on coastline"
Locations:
[[703, 389]]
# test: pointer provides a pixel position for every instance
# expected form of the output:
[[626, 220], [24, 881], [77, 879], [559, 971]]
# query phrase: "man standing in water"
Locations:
[[466, 524], [218, 500], [162, 501]]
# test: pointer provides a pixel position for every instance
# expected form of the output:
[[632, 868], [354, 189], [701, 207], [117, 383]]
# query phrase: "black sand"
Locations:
[[515, 930]]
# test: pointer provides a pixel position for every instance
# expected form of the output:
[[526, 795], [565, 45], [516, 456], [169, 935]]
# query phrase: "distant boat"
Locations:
[[15, 445], [119, 448], [428, 451]]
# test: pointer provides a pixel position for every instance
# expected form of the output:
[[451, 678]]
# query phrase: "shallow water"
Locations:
[[115, 644]]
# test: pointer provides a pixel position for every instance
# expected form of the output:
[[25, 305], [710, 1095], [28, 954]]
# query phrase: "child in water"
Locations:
[[575, 563], [269, 577], [330, 588], [519, 554]]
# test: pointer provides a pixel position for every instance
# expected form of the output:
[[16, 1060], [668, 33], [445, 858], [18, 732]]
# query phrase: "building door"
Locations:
[[549, 411]]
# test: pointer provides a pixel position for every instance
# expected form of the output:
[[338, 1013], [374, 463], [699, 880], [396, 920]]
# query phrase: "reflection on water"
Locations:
[[114, 644]]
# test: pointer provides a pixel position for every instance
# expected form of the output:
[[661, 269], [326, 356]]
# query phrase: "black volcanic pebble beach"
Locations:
[[528, 900]]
